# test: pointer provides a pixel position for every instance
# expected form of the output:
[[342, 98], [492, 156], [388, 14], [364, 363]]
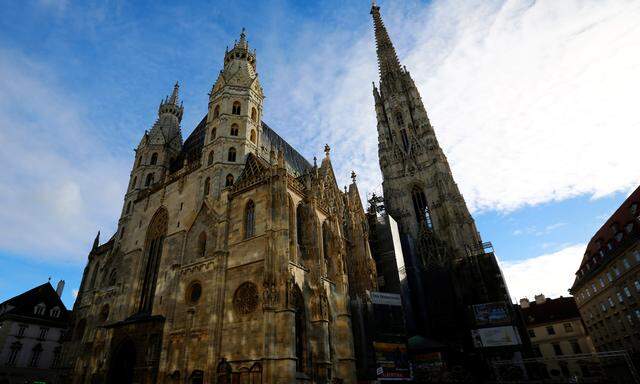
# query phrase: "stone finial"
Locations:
[[96, 242], [353, 176], [327, 149], [174, 95], [315, 161]]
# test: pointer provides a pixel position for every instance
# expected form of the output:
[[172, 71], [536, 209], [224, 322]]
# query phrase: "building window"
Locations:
[[254, 114], [154, 159], [536, 350], [14, 352], [568, 327], [57, 354], [601, 282], [611, 303], [216, 111], [104, 313], [149, 180], [619, 297], [21, 330], [532, 333], [575, 346], [637, 312], [194, 292], [35, 355], [234, 129], [420, 207], [213, 133], [207, 183], [202, 244], [228, 181], [604, 307], [236, 108], [609, 277], [616, 271], [249, 220], [626, 264], [253, 136], [128, 208], [556, 349], [210, 158], [43, 333], [39, 309], [55, 312], [637, 285], [134, 182], [405, 139], [551, 330], [231, 155], [630, 319], [629, 227], [399, 119], [593, 286]]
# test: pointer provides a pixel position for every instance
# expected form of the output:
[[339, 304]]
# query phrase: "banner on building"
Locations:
[[392, 361], [382, 298], [495, 337], [491, 313]]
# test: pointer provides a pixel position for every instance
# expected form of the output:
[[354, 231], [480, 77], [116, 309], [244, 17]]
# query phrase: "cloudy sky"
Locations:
[[534, 102]]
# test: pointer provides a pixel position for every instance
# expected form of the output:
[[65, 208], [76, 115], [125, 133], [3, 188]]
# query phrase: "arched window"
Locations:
[[420, 207], [154, 159], [232, 154], [228, 181], [202, 244], [35, 355], [104, 313], [213, 133], [292, 224], [207, 183], [236, 108], [216, 111], [210, 158], [405, 139], [399, 119], [253, 136], [134, 182], [149, 180], [325, 244], [113, 277], [254, 114], [39, 309], [249, 219], [300, 330], [154, 242], [128, 208], [139, 161], [194, 292], [234, 129]]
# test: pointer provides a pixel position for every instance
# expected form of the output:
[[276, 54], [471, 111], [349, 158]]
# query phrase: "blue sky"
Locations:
[[535, 104]]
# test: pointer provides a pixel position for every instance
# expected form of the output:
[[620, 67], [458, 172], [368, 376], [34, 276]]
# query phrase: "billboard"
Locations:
[[495, 337], [392, 361], [491, 313]]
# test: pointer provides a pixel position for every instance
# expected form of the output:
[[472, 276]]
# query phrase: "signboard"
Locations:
[[495, 337], [392, 361], [385, 298], [491, 313]]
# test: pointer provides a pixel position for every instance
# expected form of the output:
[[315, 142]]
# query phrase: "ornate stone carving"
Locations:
[[269, 295], [246, 298]]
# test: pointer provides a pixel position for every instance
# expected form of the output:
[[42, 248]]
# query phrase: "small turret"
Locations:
[[170, 105]]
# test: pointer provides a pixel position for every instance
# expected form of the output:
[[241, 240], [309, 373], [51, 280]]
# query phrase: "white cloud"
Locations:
[[59, 184], [551, 274], [75, 293]]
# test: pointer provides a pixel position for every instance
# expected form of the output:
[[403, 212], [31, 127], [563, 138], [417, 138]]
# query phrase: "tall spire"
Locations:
[[174, 96], [387, 58]]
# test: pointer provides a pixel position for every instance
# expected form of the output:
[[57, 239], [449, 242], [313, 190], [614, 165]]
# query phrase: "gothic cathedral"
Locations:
[[234, 259]]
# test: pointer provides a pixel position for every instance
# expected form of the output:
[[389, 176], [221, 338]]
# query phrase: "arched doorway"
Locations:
[[122, 363]]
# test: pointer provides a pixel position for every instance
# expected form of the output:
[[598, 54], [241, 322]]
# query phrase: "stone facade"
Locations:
[[233, 260]]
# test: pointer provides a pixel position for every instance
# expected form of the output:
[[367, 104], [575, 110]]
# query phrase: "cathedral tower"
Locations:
[[233, 120]]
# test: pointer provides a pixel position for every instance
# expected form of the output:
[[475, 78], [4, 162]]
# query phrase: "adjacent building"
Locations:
[[556, 332], [607, 283], [32, 328], [235, 259]]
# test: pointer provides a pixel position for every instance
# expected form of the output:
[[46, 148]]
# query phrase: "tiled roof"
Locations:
[[23, 304], [553, 310], [604, 246]]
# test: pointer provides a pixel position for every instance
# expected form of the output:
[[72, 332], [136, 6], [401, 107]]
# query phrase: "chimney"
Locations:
[[524, 303], [540, 299], [59, 288]]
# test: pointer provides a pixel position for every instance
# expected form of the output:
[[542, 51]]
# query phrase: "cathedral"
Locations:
[[234, 261]]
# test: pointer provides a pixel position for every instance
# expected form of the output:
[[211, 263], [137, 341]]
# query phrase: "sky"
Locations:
[[534, 103]]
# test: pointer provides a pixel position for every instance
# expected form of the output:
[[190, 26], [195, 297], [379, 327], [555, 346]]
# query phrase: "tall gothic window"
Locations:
[[154, 159], [149, 180], [228, 181], [292, 223], [325, 244], [254, 115], [405, 139], [399, 119], [207, 184], [213, 133], [234, 129], [253, 136], [153, 252], [236, 108], [202, 244], [249, 219], [231, 155], [300, 229], [16, 346], [420, 207], [216, 111], [35, 355], [210, 158]]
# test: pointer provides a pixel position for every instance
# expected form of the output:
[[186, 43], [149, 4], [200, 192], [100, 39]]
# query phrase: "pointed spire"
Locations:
[[242, 43], [96, 242], [387, 57], [174, 96]]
